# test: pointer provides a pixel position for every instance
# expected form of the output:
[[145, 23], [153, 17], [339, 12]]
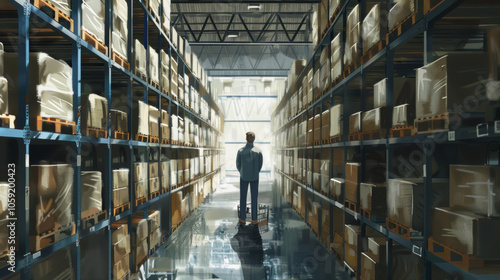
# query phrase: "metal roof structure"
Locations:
[[247, 38]]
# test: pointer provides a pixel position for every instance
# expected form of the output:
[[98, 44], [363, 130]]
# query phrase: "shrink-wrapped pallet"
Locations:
[[153, 66], [373, 28], [400, 11], [164, 78], [166, 16], [63, 5], [120, 27], [51, 189], [120, 178], [154, 117], [93, 14], [141, 188], [91, 190], [140, 62], [94, 112], [140, 171], [119, 121], [143, 118], [154, 221]]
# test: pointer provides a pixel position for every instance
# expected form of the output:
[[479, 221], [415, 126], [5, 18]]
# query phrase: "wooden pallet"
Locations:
[[348, 70], [154, 194], [432, 124], [398, 229], [165, 190], [324, 193], [317, 143], [92, 217], [372, 52], [7, 121], [57, 234], [141, 138], [355, 136], [402, 131], [94, 42], [469, 263], [430, 5], [121, 208], [55, 13], [121, 61], [335, 139], [351, 205], [165, 141], [401, 27], [120, 135], [140, 200], [95, 132], [140, 75], [55, 125], [155, 85], [375, 134], [153, 139], [337, 80], [335, 197], [365, 213]]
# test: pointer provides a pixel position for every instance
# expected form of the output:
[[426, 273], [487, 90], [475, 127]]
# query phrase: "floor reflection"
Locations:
[[209, 246]]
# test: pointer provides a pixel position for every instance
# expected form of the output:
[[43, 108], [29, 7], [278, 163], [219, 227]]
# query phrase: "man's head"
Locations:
[[250, 137]]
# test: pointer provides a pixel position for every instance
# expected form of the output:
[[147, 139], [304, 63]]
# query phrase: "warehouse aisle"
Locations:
[[207, 245]]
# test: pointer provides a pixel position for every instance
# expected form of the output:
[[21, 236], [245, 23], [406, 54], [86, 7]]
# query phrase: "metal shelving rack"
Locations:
[[424, 29], [26, 137]]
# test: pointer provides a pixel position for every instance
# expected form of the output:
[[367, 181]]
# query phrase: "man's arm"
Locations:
[[238, 161], [261, 161]]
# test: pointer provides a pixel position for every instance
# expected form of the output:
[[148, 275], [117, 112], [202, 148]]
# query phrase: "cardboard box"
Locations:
[[119, 231], [451, 80], [405, 200], [154, 221], [351, 236], [473, 188], [120, 178], [141, 188], [352, 180], [154, 238], [140, 231], [140, 171], [373, 199], [467, 233], [121, 248], [120, 196], [91, 190], [119, 121], [370, 269], [355, 123], [121, 267], [404, 90], [377, 249], [336, 186], [351, 257], [403, 115], [377, 119]]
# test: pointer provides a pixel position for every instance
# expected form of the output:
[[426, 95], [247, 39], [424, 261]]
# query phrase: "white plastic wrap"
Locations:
[[400, 116], [94, 111], [336, 113], [351, 54], [165, 174], [119, 121], [91, 190], [120, 178], [93, 14], [141, 188], [154, 116], [4, 96], [334, 4], [164, 79], [153, 65], [51, 189], [166, 16], [143, 118], [120, 28], [140, 171], [63, 5], [373, 30], [140, 63], [401, 10]]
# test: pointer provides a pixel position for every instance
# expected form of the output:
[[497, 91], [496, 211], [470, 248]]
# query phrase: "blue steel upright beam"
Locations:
[[23, 123]]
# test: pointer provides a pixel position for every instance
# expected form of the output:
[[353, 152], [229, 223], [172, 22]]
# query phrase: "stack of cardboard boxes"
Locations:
[[154, 229], [120, 239], [351, 242], [140, 248], [140, 179], [120, 28], [165, 176], [94, 113], [120, 187], [351, 52], [154, 179], [471, 224]]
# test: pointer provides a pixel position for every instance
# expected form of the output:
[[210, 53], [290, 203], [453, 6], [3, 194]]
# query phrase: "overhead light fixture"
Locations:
[[254, 6], [233, 34]]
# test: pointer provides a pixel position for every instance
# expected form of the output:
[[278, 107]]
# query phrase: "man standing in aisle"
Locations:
[[249, 164]]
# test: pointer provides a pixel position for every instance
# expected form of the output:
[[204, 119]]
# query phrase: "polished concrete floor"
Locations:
[[208, 245]]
